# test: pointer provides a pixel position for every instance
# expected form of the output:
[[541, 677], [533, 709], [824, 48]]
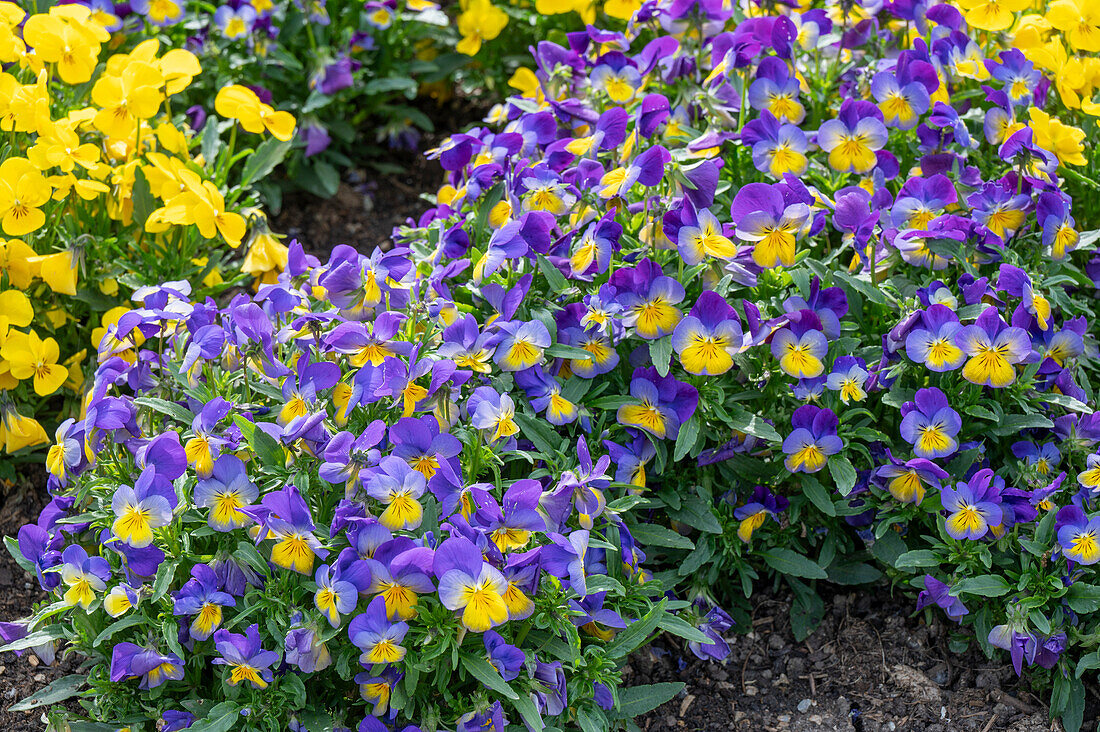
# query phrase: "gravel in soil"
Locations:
[[868, 667], [21, 676]]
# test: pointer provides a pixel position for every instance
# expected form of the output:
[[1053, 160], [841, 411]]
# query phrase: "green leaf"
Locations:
[[917, 558], [561, 350], [555, 280], [540, 433], [696, 559], [696, 513], [807, 610], [484, 672], [1087, 662], [682, 628], [981, 412], [260, 163], [211, 141], [897, 396], [132, 619], [657, 535], [1068, 701], [388, 84], [792, 563], [888, 547], [660, 353], [575, 389], [853, 573], [752, 424], [1062, 400], [264, 445], [1011, 424], [1045, 532], [638, 700], [818, 495], [221, 718], [491, 200], [872, 293], [587, 721], [247, 553], [530, 713], [12, 545], [1040, 621], [985, 585], [604, 583], [686, 438], [142, 196], [319, 178], [165, 572], [37, 638], [844, 474], [624, 504], [612, 402], [173, 410], [637, 633], [1083, 598], [56, 691]]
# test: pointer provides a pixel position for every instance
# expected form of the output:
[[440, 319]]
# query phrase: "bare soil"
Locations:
[[869, 667], [21, 676], [375, 196]]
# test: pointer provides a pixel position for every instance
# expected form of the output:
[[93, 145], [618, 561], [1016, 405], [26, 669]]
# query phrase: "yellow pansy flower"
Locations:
[[18, 432], [1079, 20], [241, 103], [478, 22], [266, 257], [73, 48], [992, 15], [135, 94], [22, 191], [58, 270], [1062, 140], [30, 357], [58, 146], [14, 255]]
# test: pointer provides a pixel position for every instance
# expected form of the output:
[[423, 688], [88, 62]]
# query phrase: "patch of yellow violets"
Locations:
[[85, 163], [1059, 37], [480, 20]]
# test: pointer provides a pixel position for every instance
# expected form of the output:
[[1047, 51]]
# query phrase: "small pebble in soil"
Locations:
[[804, 705], [939, 674]]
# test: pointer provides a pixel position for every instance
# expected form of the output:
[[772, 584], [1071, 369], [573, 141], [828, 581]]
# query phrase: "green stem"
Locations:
[[223, 175]]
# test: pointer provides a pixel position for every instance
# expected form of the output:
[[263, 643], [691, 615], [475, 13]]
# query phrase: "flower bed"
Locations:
[[355, 74], [790, 298], [103, 191]]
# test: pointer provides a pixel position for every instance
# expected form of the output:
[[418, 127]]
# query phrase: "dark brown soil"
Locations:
[[869, 667], [375, 196], [22, 676], [364, 210]]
